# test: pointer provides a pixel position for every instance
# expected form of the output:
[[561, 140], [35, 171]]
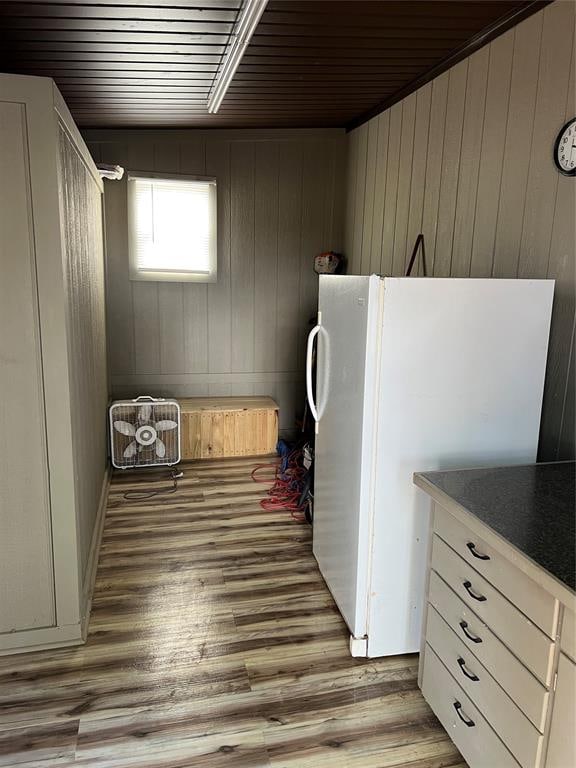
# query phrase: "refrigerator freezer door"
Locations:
[[461, 381], [345, 391]]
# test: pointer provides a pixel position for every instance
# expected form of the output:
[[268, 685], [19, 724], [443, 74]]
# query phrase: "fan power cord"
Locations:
[[141, 495]]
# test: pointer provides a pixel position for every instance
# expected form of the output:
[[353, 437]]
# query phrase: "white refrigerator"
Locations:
[[412, 374]]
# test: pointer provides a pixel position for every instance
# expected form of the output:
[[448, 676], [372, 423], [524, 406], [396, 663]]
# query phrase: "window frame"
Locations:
[[171, 275]]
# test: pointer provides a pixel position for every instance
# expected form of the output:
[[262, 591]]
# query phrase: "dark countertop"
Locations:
[[532, 507]]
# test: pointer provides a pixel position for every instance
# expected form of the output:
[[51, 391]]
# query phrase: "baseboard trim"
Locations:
[[40, 639], [44, 638], [92, 566]]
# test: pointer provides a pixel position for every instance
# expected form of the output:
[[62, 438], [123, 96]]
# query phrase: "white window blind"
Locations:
[[172, 228]]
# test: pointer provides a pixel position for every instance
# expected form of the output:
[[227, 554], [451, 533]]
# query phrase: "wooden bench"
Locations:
[[228, 426]]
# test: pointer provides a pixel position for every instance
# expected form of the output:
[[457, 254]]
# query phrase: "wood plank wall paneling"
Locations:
[[468, 158], [81, 206], [280, 202]]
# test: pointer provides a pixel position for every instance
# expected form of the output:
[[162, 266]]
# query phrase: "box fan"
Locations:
[[144, 432]]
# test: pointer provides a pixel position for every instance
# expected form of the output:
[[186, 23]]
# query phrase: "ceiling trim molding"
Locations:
[[489, 33]]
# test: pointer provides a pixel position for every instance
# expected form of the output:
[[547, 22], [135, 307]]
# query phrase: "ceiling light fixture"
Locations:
[[247, 22]]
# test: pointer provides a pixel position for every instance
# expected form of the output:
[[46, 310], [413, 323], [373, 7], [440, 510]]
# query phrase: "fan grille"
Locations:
[[149, 419]]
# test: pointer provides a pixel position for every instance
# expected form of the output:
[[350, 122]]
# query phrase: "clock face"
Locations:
[[565, 149]]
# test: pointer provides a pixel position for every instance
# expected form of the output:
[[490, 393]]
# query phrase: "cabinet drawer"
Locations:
[[568, 633], [530, 695], [511, 725], [540, 606], [477, 742], [530, 644]]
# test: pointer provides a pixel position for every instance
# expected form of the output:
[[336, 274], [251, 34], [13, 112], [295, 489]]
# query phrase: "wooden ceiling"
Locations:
[[310, 63]]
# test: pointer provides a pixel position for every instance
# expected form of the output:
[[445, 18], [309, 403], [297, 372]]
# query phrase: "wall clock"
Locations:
[[565, 149]]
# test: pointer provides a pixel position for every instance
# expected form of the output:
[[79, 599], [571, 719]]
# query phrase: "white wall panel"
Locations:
[[404, 183], [434, 160], [26, 567], [472, 132], [280, 202], [380, 162], [360, 195], [315, 174], [289, 223], [391, 196], [417, 186], [468, 161], [450, 169], [372, 153], [497, 96], [266, 204]]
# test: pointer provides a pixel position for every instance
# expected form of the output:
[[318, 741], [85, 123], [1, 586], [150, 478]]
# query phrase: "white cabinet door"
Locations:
[[26, 577], [562, 745]]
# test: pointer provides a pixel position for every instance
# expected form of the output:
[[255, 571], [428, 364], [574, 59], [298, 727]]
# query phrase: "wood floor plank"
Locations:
[[213, 643], [328, 671], [363, 730], [39, 745]]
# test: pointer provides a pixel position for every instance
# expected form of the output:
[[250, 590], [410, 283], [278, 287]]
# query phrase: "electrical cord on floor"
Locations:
[[141, 495], [286, 489]]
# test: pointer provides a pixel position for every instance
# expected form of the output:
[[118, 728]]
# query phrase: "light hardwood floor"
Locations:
[[213, 643]]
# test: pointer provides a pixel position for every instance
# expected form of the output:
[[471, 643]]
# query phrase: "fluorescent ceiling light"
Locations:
[[247, 22]]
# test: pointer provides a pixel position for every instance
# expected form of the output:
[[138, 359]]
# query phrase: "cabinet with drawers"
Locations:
[[498, 647]]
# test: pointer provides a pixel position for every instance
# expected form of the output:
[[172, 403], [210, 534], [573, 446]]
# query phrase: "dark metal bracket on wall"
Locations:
[[497, 28]]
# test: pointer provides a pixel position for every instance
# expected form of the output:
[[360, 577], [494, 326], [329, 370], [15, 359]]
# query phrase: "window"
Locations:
[[172, 228]]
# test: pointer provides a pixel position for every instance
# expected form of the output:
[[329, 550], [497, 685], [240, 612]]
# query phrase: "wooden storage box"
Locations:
[[228, 426]]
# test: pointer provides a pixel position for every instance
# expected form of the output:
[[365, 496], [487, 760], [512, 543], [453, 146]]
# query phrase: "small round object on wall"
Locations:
[[565, 149]]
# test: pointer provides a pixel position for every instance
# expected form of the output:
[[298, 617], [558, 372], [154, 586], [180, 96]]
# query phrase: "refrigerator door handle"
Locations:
[[309, 350]]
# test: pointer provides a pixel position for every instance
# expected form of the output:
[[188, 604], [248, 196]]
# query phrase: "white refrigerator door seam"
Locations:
[[366, 497], [378, 323]]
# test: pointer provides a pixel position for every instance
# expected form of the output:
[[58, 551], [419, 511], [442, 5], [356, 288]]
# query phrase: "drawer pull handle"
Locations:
[[472, 547], [476, 595], [466, 672], [465, 719], [464, 627]]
